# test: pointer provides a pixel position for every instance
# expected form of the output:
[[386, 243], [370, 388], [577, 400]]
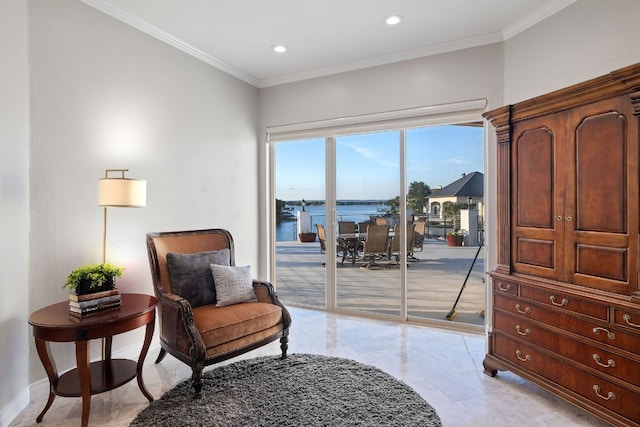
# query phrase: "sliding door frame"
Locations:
[[400, 120]]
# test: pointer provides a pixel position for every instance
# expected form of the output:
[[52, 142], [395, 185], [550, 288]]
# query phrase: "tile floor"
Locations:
[[444, 366]]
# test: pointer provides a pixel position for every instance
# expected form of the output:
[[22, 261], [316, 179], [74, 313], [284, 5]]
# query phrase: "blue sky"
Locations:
[[367, 165]]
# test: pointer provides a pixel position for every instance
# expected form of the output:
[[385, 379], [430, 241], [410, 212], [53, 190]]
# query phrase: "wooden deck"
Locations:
[[433, 282]]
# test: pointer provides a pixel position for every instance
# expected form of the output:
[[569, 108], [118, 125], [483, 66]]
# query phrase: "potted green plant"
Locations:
[[454, 238], [93, 278]]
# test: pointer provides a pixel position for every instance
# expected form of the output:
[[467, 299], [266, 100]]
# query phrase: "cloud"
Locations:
[[458, 161], [370, 153]]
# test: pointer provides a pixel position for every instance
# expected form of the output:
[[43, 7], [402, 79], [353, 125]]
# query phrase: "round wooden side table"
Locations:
[[54, 323]]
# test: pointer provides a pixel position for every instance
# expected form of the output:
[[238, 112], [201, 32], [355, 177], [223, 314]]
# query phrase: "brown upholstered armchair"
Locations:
[[193, 328]]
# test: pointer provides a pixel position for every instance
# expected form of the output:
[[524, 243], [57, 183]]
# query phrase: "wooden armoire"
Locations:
[[566, 303]]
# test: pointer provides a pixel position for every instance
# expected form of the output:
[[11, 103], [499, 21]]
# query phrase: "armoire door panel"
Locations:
[[610, 263], [602, 196], [540, 253], [601, 173], [535, 181]]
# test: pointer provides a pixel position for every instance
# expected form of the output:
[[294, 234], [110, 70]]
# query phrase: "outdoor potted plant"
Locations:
[[93, 278], [307, 236], [454, 238]]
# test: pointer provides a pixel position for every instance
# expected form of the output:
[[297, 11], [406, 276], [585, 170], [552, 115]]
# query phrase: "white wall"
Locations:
[[585, 40], [104, 95], [14, 209]]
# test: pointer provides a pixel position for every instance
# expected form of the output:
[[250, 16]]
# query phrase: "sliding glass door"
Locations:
[[367, 187], [447, 162], [424, 185], [300, 207]]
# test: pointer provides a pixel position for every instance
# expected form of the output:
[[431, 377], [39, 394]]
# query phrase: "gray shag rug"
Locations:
[[302, 390]]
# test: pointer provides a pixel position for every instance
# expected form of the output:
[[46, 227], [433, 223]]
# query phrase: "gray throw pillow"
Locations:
[[191, 277], [233, 284]]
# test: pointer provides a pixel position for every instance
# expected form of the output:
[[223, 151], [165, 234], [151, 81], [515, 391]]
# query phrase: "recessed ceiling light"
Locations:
[[393, 20], [278, 48]]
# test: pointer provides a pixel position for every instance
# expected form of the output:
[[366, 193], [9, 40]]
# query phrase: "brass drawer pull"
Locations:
[[559, 304], [519, 331], [610, 363], [526, 358], [504, 288], [627, 318], [610, 396], [519, 309], [610, 334]]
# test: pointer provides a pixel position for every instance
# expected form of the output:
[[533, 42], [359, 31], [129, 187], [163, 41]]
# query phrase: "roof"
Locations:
[[471, 184]]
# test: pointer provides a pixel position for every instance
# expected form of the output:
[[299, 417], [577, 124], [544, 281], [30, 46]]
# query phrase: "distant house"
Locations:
[[468, 189]]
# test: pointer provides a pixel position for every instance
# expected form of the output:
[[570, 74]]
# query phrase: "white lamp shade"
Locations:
[[122, 192]]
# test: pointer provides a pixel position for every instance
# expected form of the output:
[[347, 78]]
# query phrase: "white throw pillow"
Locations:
[[233, 284]]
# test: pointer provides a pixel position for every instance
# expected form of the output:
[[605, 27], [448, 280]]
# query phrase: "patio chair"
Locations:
[[418, 235], [394, 247], [375, 245], [205, 320], [322, 238], [380, 221], [353, 244]]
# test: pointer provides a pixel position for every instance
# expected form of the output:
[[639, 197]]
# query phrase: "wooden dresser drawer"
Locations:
[[526, 356], [601, 332], [525, 330], [599, 391], [605, 361], [627, 318], [566, 302], [610, 395]]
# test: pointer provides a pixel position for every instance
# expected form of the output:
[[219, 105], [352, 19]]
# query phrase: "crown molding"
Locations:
[[538, 15], [153, 31], [434, 49]]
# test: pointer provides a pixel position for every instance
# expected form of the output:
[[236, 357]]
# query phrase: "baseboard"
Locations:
[[9, 413]]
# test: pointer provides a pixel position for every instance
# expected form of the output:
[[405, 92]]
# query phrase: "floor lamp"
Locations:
[[119, 192]]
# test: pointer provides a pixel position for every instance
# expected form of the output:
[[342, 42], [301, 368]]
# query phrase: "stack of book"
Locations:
[[82, 305]]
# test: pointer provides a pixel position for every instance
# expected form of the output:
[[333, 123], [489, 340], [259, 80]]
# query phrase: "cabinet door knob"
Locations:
[[568, 219], [559, 218]]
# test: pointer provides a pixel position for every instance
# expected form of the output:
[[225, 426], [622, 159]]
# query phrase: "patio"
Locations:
[[433, 283]]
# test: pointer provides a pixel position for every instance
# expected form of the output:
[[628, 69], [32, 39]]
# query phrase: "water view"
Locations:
[[286, 230]]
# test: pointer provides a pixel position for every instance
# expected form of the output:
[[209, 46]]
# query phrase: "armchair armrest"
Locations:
[[176, 318], [266, 293]]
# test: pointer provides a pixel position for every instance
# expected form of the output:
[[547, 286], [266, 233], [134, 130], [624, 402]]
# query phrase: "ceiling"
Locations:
[[323, 37]]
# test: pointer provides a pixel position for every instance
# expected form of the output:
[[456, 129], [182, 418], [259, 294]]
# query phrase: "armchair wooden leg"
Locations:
[[196, 379], [161, 355], [284, 345]]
